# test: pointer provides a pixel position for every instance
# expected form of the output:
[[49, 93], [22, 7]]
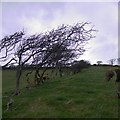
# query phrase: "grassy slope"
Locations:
[[86, 95]]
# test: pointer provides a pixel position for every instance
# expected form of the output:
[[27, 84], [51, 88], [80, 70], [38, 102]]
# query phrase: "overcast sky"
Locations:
[[36, 17]]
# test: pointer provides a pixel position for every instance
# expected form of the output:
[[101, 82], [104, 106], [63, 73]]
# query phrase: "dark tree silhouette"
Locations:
[[20, 50], [99, 62], [112, 61], [65, 44], [77, 66], [118, 61]]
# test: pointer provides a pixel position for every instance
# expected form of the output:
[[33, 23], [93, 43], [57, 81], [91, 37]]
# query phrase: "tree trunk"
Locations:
[[41, 77], [60, 71], [18, 75], [36, 78]]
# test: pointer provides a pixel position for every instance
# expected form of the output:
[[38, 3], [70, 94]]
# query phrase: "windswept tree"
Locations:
[[118, 61], [112, 61], [8, 49], [18, 49], [58, 46], [65, 44]]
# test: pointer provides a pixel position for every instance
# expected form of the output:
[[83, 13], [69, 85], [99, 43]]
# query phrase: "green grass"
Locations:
[[84, 95]]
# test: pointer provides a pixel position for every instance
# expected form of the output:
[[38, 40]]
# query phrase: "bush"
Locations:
[[77, 66]]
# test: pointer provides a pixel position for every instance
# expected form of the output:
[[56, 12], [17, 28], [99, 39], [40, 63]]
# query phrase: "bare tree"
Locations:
[[112, 61], [20, 50], [118, 61], [65, 44], [57, 46], [8, 48]]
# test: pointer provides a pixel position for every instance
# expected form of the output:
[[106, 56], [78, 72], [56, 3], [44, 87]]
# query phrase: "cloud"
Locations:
[[33, 25], [46, 20], [41, 17], [0, 20], [59, 0]]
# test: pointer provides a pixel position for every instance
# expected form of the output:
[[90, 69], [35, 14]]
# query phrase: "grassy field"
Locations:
[[83, 95]]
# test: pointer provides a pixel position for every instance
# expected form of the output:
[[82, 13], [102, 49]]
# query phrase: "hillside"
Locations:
[[83, 95]]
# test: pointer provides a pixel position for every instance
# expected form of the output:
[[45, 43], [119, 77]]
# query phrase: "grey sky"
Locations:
[[36, 17]]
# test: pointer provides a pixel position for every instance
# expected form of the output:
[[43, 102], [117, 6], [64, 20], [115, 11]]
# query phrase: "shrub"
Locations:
[[77, 66]]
